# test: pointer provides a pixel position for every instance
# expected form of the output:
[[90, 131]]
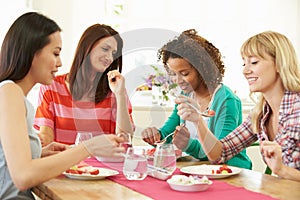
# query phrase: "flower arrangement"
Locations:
[[161, 80]]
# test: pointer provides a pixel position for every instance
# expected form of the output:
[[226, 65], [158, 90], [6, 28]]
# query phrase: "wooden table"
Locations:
[[62, 188]]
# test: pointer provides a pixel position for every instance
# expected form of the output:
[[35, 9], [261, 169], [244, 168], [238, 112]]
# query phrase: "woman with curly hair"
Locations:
[[196, 66]]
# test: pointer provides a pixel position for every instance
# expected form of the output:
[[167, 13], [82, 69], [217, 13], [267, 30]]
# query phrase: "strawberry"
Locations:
[[150, 152], [73, 171], [94, 171], [82, 168], [211, 113], [224, 168]]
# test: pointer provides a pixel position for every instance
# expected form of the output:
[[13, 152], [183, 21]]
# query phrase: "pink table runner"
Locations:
[[158, 189]]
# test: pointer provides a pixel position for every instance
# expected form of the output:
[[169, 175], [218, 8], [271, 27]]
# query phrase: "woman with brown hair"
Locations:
[[92, 96]]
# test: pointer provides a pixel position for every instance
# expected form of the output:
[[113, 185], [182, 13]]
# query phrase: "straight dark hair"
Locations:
[[26, 36], [79, 76]]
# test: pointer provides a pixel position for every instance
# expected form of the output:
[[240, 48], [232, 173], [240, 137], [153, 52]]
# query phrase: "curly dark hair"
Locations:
[[200, 53]]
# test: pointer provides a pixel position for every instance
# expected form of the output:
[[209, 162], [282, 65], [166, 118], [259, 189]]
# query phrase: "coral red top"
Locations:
[[66, 117]]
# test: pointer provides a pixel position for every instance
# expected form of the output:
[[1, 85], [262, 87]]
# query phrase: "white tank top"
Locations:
[[7, 187]]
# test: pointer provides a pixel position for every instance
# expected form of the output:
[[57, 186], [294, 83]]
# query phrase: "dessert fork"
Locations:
[[165, 139]]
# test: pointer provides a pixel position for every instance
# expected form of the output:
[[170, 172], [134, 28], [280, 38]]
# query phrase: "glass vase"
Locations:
[[157, 95]]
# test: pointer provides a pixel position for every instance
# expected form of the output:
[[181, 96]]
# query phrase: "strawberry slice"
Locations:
[[74, 171], [150, 152], [211, 112], [225, 168], [94, 171]]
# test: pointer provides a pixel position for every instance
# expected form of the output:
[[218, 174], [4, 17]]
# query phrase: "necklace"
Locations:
[[213, 96], [192, 95]]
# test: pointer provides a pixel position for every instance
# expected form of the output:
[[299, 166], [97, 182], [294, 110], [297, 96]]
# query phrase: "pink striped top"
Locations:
[[66, 117]]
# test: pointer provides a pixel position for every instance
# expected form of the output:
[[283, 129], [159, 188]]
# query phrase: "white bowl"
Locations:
[[197, 187]]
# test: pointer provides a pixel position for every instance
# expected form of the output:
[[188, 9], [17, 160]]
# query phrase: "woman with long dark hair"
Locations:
[[30, 54], [92, 96]]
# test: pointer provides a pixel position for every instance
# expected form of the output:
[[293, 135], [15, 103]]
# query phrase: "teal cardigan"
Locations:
[[228, 115]]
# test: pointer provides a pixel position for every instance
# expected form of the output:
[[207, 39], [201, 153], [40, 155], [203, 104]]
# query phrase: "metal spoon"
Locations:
[[206, 113], [175, 92]]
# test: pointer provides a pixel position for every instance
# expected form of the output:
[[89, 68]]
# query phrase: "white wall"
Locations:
[[9, 12], [73, 16], [226, 23]]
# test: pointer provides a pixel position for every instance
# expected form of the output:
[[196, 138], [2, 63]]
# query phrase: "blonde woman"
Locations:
[[272, 71]]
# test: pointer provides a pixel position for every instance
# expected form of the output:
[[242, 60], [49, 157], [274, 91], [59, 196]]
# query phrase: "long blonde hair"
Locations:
[[282, 51]]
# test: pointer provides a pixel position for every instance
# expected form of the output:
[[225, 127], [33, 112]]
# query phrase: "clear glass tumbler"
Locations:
[[135, 164], [81, 136], [164, 157]]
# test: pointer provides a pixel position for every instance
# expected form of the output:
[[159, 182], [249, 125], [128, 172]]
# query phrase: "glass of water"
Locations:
[[81, 136], [135, 164], [164, 157]]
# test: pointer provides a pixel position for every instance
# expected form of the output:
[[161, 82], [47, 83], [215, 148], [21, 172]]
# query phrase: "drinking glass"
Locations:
[[135, 164], [81, 136], [164, 157]]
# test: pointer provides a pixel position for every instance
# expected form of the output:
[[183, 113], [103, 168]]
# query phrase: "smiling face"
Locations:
[[45, 62], [182, 73], [261, 73], [102, 54]]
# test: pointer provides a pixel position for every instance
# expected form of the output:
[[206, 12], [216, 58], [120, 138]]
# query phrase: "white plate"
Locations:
[[206, 170], [197, 187], [103, 173], [110, 159]]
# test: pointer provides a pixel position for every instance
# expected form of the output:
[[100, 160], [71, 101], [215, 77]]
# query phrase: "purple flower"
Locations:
[[149, 80], [160, 79]]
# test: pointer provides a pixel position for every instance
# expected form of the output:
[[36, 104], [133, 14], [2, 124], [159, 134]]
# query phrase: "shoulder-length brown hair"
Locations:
[[79, 76]]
